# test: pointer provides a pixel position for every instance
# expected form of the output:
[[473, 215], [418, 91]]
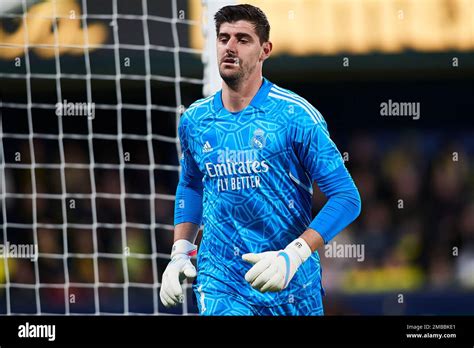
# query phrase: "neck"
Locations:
[[236, 97]]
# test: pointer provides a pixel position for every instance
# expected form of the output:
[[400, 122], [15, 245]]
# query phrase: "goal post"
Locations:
[[212, 79]]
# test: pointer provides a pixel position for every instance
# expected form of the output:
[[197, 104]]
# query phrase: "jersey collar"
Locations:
[[257, 101]]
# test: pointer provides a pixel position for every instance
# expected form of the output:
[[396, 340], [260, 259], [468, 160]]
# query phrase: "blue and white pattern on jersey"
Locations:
[[247, 176]]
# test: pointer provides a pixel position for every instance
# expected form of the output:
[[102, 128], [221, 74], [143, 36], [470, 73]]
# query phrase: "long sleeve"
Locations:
[[189, 193], [342, 207], [323, 163]]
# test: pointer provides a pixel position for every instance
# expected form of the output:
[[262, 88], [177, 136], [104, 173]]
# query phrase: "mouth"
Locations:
[[229, 60]]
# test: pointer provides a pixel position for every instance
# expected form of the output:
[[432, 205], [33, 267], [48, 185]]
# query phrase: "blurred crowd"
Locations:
[[416, 225], [417, 221]]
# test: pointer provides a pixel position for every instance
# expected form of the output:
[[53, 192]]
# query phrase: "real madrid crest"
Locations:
[[258, 139]]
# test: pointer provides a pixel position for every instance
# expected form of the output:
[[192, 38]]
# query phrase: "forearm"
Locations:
[[188, 213], [187, 231], [188, 208], [313, 239], [188, 204], [340, 210]]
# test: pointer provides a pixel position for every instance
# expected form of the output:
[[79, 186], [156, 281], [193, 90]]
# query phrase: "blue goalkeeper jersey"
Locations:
[[247, 177]]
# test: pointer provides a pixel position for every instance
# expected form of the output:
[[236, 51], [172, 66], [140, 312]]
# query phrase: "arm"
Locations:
[[319, 157], [187, 231], [323, 163], [342, 207], [313, 239], [189, 193], [187, 219]]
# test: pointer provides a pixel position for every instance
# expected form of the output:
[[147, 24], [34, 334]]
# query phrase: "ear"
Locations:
[[266, 50]]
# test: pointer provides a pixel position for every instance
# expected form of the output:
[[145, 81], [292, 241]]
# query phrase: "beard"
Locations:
[[233, 78]]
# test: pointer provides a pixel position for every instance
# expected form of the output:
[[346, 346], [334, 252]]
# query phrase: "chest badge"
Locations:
[[258, 139]]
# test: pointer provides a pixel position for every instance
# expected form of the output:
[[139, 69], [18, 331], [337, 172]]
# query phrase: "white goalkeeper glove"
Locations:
[[179, 268], [273, 270]]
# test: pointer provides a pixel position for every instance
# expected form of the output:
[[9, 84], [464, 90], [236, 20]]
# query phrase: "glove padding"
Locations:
[[273, 270], [179, 268]]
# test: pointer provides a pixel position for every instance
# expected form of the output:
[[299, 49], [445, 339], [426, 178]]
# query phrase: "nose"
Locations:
[[231, 46]]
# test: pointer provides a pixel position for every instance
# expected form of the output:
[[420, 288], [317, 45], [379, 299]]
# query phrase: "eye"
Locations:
[[244, 41]]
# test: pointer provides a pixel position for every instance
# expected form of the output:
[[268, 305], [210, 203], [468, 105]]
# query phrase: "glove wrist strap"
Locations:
[[301, 248], [183, 247]]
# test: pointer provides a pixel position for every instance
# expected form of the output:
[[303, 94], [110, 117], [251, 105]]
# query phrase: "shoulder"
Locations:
[[195, 112], [192, 116], [199, 107], [298, 107]]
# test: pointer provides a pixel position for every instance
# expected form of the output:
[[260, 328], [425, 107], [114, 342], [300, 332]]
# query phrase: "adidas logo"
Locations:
[[207, 147]]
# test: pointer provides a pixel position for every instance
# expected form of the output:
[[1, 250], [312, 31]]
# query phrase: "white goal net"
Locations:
[[91, 94]]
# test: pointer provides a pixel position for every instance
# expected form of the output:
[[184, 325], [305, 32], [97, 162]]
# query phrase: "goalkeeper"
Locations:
[[250, 154]]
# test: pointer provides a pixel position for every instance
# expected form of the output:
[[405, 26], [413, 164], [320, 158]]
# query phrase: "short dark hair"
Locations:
[[254, 15]]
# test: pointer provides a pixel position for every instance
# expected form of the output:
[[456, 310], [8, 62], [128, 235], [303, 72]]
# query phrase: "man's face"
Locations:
[[238, 51]]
